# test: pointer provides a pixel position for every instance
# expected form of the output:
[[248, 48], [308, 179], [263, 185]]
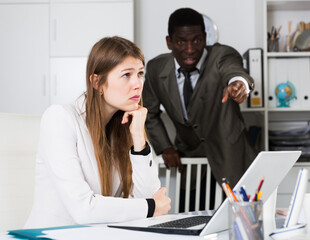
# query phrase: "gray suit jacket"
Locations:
[[214, 129]]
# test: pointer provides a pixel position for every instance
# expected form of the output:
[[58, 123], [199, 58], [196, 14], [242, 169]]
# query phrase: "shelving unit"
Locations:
[[278, 13]]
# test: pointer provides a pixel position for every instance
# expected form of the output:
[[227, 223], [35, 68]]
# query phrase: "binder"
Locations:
[[254, 65]]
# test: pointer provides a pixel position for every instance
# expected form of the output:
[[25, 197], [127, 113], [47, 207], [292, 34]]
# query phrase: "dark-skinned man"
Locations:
[[200, 88]]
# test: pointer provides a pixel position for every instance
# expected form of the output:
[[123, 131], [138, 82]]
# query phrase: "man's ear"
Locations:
[[169, 42], [94, 79]]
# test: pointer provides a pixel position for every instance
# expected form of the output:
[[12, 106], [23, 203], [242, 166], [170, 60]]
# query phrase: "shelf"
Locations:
[[275, 109], [282, 5], [287, 54], [252, 109], [288, 109]]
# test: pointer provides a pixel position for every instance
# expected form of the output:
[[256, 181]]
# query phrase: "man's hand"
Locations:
[[236, 91], [172, 159]]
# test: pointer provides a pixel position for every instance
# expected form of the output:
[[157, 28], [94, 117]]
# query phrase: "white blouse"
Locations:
[[67, 187]]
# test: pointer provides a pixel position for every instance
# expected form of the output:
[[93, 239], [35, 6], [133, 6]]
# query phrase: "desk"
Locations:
[[101, 231]]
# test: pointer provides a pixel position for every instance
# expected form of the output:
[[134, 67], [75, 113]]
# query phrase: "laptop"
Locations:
[[272, 165]]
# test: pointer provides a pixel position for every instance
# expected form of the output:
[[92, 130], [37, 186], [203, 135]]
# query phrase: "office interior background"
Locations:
[[45, 43], [25, 90], [239, 22]]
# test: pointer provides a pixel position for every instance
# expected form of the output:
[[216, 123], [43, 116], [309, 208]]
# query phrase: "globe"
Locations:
[[285, 92]]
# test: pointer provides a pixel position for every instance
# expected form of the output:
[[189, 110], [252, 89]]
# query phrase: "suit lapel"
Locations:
[[89, 147], [86, 138], [169, 81]]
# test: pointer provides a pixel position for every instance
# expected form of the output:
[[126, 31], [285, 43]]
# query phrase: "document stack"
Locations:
[[292, 139]]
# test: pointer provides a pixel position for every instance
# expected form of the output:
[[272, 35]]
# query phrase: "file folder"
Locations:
[[38, 233], [254, 65]]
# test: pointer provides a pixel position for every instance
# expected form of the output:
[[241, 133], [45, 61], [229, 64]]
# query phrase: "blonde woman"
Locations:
[[93, 163]]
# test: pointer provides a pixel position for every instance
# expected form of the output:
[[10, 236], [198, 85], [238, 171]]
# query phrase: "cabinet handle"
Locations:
[[55, 85], [55, 30], [44, 85]]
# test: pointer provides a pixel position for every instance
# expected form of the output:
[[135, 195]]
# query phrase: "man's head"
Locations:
[[187, 37]]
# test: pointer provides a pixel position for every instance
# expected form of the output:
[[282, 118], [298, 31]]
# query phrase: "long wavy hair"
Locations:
[[111, 142]]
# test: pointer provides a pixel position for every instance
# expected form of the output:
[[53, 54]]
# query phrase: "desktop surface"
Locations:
[[101, 231]]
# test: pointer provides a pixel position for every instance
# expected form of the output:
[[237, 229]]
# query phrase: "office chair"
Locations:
[[19, 135], [171, 179]]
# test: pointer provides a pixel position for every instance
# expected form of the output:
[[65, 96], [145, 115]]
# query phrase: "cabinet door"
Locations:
[[76, 27], [68, 79], [24, 58], [297, 72]]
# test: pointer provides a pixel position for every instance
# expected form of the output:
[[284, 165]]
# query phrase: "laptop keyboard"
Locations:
[[184, 222]]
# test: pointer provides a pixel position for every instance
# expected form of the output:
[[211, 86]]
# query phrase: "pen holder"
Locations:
[[246, 220], [273, 45]]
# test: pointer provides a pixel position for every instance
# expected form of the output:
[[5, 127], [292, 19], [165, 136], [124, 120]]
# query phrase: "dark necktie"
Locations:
[[187, 87]]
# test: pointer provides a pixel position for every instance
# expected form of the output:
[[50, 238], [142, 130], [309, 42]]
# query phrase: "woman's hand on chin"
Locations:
[[136, 127]]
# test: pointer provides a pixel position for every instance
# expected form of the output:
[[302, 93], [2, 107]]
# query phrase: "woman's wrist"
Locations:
[[139, 144]]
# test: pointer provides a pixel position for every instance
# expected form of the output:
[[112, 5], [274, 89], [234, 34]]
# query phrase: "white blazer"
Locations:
[[67, 187]]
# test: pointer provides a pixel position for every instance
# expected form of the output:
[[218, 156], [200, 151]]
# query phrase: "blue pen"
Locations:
[[239, 198], [243, 193]]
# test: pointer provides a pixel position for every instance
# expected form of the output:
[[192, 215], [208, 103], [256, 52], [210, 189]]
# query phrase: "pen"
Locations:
[[243, 193], [239, 198], [226, 190], [258, 189], [260, 184], [259, 195], [279, 29], [230, 195], [272, 32], [231, 192]]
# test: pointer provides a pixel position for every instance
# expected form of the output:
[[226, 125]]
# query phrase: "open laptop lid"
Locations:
[[273, 165]]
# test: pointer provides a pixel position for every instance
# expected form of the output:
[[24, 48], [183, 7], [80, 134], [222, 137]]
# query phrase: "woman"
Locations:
[[93, 163]]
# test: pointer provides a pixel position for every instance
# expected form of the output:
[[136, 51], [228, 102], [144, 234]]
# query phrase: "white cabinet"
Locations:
[[75, 27], [68, 79], [24, 58], [45, 45]]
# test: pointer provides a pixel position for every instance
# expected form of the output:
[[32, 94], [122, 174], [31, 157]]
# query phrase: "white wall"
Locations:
[[240, 22]]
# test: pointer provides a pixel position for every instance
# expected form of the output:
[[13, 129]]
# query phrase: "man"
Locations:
[[207, 117]]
